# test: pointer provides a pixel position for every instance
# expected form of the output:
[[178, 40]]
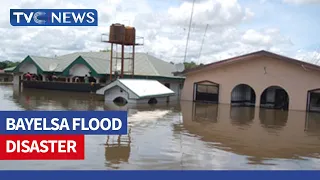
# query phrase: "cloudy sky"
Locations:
[[235, 27]]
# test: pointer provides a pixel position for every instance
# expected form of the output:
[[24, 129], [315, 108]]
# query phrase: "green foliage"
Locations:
[[7, 64], [190, 65], [105, 50]]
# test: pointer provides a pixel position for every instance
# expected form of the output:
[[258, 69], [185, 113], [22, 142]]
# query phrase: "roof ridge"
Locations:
[[256, 53], [152, 65], [41, 57]]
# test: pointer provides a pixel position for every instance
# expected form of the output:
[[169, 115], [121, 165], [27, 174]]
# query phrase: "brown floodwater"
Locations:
[[182, 136]]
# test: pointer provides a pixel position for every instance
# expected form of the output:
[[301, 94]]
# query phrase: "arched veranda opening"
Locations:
[[274, 97], [243, 95]]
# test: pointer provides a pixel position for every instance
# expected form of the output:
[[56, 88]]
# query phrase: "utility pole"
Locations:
[[205, 32], [185, 54]]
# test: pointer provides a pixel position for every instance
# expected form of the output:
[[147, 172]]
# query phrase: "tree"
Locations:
[[3, 65], [8, 64], [189, 65], [105, 50]]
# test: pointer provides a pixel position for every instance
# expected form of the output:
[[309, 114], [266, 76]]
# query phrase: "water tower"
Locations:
[[122, 61]]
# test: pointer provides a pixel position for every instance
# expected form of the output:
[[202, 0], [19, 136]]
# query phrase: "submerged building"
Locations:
[[261, 79], [69, 72], [5, 78], [137, 91]]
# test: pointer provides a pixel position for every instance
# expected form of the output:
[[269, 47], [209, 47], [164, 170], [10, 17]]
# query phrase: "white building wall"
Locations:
[[28, 67], [16, 79], [113, 93], [79, 70], [176, 88]]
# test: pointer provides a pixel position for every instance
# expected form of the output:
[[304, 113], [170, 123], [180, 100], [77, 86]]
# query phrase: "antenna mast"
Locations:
[[185, 54], [205, 32]]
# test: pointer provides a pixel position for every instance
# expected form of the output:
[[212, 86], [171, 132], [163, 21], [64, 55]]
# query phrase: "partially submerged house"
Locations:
[[136, 91], [70, 70], [261, 79], [5, 77]]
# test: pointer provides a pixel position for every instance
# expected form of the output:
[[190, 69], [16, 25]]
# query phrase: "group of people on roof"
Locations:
[[31, 77], [34, 77], [51, 77]]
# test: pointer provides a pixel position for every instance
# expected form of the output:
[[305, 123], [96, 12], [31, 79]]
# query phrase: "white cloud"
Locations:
[[308, 56], [212, 12], [164, 32]]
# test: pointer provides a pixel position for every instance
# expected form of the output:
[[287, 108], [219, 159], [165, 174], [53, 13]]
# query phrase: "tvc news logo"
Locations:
[[53, 17]]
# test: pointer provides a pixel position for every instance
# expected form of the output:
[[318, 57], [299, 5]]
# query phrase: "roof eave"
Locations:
[[158, 95]]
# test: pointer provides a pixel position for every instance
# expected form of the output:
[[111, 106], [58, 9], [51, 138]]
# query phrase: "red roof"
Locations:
[[252, 56]]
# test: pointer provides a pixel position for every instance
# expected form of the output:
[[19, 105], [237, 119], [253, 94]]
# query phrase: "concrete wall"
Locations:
[[79, 70], [17, 79], [62, 86], [260, 74]]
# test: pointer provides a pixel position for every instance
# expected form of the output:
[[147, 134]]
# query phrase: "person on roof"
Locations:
[[28, 76], [86, 79]]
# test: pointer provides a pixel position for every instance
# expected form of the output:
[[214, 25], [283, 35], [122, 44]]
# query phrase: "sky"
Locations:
[[235, 27]]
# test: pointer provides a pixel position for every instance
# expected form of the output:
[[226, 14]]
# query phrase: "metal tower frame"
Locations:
[[122, 58]]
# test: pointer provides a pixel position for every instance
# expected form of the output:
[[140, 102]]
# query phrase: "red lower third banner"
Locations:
[[41, 147]]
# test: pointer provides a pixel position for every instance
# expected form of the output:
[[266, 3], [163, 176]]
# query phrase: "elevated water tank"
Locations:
[[117, 33], [130, 35]]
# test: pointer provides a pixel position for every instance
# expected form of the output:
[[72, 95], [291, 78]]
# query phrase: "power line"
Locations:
[[205, 32], [185, 54]]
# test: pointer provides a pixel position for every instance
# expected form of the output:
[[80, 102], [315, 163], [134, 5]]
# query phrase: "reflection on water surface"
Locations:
[[182, 136]]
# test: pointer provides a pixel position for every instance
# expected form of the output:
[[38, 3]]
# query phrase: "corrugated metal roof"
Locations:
[[9, 69], [43, 62], [101, 66], [144, 64], [146, 88], [140, 87]]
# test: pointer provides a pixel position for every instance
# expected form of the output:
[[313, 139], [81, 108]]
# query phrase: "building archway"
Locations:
[[274, 97], [243, 95], [152, 101], [120, 101], [206, 91]]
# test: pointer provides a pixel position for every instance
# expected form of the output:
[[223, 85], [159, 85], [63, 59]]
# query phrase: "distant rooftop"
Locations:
[[145, 64]]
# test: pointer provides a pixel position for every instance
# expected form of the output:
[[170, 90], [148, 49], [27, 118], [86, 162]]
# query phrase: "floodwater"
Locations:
[[182, 136]]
